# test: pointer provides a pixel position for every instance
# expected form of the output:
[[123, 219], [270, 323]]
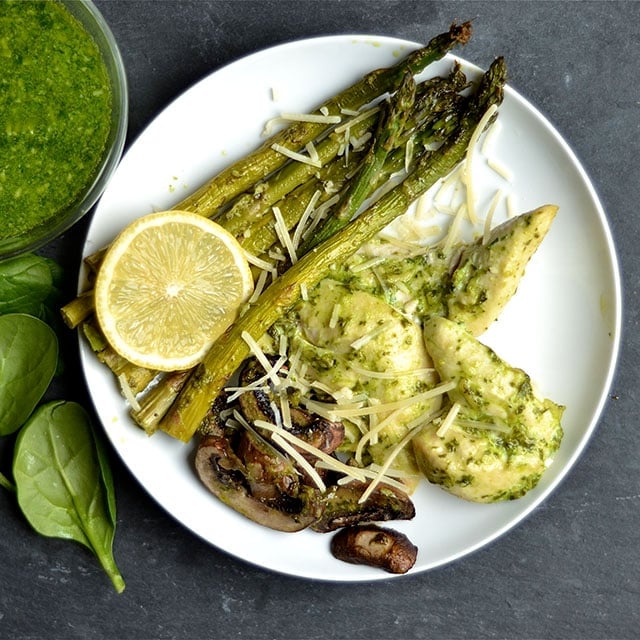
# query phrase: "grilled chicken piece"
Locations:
[[504, 436]]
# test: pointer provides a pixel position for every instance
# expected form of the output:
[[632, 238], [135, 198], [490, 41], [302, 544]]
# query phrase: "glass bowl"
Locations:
[[94, 24]]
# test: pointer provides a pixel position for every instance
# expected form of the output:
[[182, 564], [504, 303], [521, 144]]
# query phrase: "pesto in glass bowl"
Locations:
[[63, 117]]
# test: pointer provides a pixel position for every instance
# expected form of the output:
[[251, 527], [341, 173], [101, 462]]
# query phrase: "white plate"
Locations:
[[563, 326]]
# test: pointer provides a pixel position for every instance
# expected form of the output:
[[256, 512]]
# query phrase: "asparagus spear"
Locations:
[[390, 126], [243, 174], [209, 378]]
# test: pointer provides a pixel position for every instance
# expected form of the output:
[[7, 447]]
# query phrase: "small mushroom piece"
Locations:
[[376, 547], [342, 507]]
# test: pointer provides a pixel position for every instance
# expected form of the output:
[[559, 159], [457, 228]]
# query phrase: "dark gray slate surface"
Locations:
[[571, 569]]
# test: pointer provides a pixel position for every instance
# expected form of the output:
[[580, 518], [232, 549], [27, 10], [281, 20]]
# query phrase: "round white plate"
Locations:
[[562, 327]]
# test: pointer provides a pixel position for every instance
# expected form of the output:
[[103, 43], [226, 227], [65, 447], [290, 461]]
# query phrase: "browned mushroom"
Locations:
[[376, 547], [319, 432], [342, 509], [263, 485]]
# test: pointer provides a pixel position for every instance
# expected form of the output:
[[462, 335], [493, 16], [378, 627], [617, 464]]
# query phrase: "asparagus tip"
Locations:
[[461, 33]]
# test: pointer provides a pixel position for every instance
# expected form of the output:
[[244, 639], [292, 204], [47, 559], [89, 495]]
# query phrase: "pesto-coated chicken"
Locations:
[[470, 283], [504, 435], [359, 334]]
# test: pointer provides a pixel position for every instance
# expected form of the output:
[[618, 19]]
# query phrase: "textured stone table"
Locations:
[[571, 569]]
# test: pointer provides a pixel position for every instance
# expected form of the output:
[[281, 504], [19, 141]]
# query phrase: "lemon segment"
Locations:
[[169, 285]]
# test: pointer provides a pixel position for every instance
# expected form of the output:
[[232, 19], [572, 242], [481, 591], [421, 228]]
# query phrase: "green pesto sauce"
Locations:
[[55, 113]]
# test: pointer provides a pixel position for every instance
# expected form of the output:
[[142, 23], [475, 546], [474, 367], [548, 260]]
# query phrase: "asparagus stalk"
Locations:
[[158, 400], [137, 378], [253, 205], [208, 379], [390, 126], [241, 175]]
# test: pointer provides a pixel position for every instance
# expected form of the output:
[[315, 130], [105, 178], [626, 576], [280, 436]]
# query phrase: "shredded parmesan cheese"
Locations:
[[261, 357], [319, 118], [283, 234], [332, 462], [388, 462], [368, 264], [489, 137], [258, 384], [361, 115], [259, 286], [471, 199], [449, 419], [308, 212], [343, 412], [258, 262], [454, 228], [408, 154], [335, 314], [301, 460], [313, 153], [489, 217], [294, 155], [365, 339], [127, 392], [286, 118], [499, 168]]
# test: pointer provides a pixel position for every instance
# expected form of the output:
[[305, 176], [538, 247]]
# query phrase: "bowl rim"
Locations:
[[86, 12]]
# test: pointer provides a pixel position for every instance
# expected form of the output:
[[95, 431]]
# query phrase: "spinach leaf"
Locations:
[[30, 284], [63, 483], [28, 361]]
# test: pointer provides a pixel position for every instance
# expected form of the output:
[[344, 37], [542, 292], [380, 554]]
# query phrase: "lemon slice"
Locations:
[[169, 285]]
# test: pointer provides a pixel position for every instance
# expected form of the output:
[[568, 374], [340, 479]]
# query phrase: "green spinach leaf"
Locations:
[[63, 483], [30, 284], [28, 361]]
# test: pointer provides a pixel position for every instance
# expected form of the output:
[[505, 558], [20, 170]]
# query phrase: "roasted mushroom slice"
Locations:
[[342, 509], [250, 476], [258, 404], [376, 547]]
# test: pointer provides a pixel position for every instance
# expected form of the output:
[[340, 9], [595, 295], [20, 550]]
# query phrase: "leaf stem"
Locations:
[[6, 483]]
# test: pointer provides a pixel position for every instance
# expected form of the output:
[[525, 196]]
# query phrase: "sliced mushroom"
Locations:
[[342, 509], [255, 480], [319, 432], [376, 547]]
